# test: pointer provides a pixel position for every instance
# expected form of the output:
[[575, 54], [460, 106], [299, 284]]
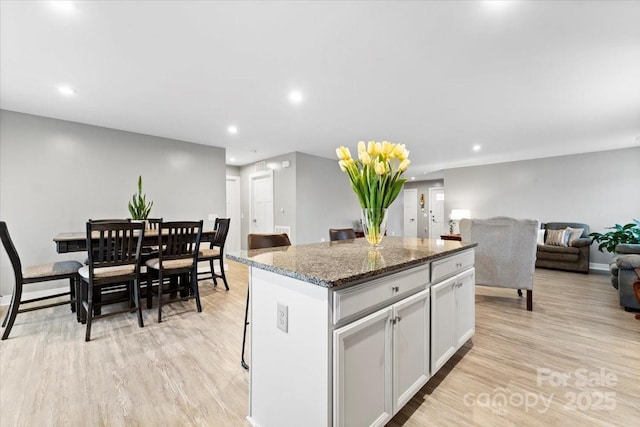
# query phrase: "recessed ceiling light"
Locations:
[[477, 147], [232, 159], [295, 96], [66, 90], [232, 130], [64, 6], [413, 178]]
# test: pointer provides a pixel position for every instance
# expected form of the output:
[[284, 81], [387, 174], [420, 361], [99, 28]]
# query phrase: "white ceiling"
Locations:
[[523, 79]]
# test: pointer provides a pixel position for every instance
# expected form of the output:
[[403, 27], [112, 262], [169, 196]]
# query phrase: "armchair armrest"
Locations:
[[583, 241], [628, 262], [628, 248]]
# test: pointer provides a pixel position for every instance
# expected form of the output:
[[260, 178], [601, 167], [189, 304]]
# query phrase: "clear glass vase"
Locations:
[[374, 225]]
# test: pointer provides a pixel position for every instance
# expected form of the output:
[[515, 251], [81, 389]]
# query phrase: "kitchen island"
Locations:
[[343, 335]]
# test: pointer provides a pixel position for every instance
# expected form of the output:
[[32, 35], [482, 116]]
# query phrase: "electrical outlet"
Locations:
[[283, 317]]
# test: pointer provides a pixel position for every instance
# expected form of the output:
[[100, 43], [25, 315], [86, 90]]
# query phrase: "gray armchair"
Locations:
[[625, 270], [506, 252]]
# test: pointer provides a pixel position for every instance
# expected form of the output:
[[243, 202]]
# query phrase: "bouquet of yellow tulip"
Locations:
[[376, 178]]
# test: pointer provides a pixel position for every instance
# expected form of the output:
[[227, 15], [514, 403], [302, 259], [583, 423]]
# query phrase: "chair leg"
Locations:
[[149, 289], [90, 313], [160, 279], [222, 275], [72, 293], [529, 300], [13, 311], [136, 297], [196, 289], [244, 334], [213, 273], [6, 316]]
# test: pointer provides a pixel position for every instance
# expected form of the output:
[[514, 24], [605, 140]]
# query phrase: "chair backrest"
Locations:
[[180, 240], [506, 252], [153, 223], [114, 244], [11, 251], [341, 234], [222, 229], [261, 241]]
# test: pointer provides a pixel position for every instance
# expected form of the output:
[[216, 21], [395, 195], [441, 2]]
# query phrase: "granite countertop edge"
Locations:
[[353, 278]]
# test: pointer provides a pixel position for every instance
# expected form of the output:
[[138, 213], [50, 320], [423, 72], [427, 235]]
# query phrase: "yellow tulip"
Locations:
[[404, 165], [387, 149], [365, 158], [343, 153], [361, 147], [371, 148], [378, 148], [380, 167], [400, 152], [343, 165]]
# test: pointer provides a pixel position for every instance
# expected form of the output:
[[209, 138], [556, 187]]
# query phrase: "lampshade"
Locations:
[[460, 213]]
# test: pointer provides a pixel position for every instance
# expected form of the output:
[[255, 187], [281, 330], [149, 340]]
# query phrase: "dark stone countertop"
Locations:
[[332, 264]]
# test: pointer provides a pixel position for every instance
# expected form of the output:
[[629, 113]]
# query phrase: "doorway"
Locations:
[[261, 203], [410, 204], [437, 226]]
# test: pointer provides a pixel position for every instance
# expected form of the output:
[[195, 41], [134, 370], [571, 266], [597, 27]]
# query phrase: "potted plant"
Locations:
[[138, 206], [628, 233]]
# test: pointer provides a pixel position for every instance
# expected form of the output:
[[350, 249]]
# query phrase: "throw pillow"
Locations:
[[574, 233], [541, 236], [557, 237]]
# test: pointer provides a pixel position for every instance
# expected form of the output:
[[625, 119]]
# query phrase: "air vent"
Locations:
[[261, 166]]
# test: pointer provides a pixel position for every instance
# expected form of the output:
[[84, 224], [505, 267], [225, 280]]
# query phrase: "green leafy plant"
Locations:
[[138, 206], [628, 233]]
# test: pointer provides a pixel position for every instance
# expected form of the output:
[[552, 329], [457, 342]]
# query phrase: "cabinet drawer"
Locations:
[[367, 296], [451, 266]]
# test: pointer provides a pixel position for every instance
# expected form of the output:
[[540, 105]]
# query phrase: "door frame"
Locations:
[[406, 216], [431, 206], [237, 210]]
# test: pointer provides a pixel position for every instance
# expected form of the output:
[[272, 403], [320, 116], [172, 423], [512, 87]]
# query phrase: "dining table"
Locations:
[[76, 241]]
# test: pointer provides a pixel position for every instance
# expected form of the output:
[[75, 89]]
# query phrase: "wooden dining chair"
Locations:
[[216, 252], [259, 241], [63, 270], [114, 259], [341, 234], [175, 270]]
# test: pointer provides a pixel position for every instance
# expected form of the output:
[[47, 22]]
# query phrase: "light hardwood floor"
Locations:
[[186, 370]]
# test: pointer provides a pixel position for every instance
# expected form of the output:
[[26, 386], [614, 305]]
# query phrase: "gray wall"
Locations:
[[324, 198], [54, 175], [599, 189]]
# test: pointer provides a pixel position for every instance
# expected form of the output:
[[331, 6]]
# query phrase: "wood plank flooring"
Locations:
[[186, 371]]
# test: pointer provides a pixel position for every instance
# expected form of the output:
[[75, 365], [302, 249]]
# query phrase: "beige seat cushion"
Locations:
[[53, 269], [208, 253], [170, 264], [104, 272]]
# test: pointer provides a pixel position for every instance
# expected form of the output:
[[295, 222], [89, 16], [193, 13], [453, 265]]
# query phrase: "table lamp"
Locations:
[[456, 215]]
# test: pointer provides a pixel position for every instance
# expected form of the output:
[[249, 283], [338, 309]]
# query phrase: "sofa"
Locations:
[[625, 270], [572, 254]]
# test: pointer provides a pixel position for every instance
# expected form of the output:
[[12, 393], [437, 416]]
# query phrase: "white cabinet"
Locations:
[[452, 316], [380, 362], [362, 371]]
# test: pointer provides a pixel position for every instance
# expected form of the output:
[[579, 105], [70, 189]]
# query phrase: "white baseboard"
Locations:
[[599, 267]]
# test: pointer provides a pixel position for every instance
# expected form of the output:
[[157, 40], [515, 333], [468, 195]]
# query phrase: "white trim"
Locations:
[[598, 267]]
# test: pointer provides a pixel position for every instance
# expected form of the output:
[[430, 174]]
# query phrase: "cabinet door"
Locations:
[[410, 347], [362, 370], [465, 307], [443, 323]]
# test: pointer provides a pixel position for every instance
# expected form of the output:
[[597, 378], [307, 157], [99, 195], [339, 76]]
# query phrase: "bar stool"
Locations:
[[260, 241]]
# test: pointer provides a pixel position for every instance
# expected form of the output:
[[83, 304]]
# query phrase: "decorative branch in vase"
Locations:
[[377, 178], [138, 206]]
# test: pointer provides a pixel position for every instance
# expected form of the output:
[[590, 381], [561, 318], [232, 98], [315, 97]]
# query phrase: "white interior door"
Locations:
[[437, 225], [261, 217], [233, 212], [410, 204]]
